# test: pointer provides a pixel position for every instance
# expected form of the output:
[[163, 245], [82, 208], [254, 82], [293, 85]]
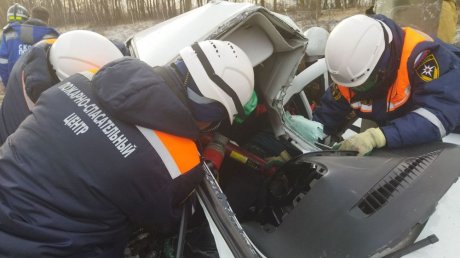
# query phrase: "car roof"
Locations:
[[161, 43]]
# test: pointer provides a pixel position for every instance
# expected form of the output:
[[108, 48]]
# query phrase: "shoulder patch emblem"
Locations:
[[428, 68]]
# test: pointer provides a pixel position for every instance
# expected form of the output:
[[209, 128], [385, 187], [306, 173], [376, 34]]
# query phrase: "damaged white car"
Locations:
[[321, 203]]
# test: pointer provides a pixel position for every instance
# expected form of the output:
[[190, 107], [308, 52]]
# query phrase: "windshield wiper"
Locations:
[[431, 239]]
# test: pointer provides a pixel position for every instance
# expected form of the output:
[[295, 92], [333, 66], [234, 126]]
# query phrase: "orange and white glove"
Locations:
[[364, 142]]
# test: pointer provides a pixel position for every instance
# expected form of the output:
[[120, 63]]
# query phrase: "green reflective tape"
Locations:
[[12, 18], [248, 108]]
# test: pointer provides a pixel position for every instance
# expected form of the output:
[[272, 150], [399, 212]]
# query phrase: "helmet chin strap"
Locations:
[[378, 92], [50, 66]]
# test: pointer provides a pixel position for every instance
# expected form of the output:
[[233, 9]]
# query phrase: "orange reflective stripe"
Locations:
[[182, 150], [93, 70], [400, 90], [346, 93], [50, 41], [46, 41]]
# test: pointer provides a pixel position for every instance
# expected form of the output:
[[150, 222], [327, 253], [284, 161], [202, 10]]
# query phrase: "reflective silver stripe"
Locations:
[[361, 106], [355, 105], [89, 75], [3, 61], [197, 98], [433, 119], [418, 57], [366, 108], [27, 34], [49, 36], [392, 106], [159, 147], [10, 35], [30, 104]]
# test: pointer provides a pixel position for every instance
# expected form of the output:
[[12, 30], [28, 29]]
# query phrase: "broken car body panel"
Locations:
[[325, 220]]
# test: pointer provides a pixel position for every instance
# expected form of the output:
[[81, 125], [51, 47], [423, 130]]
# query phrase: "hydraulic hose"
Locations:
[[218, 146]]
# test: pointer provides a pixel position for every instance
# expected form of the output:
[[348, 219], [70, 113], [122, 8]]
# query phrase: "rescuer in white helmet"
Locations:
[[17, 13], [105, 153], [47, 63], [219, 71], [401, 78], [20, 34]]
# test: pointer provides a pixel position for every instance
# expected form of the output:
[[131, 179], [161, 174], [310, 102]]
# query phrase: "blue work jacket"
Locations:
[[424, 106], [96, 159], [17, 39]]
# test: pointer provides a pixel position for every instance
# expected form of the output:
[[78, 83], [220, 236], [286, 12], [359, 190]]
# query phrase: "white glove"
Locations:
[[364, 142]]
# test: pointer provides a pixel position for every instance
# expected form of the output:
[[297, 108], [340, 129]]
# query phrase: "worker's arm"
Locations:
[[434, 78], [37, 74], [4, 59], [333, 110]]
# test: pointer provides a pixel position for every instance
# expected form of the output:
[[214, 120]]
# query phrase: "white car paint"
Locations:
[[445, 224], [149, 46]]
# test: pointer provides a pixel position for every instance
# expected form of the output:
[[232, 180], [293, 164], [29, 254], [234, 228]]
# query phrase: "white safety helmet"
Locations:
[[17, 13], [222, 72], [81, 50], [317, 38], [354, 48]]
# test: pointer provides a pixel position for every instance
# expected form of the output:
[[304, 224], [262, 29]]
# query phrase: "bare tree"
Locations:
[[109, 12]]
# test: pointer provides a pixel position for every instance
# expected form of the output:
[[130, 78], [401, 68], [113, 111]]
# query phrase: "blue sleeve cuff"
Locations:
[[332, 112], [408, 130], [392, 136]]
